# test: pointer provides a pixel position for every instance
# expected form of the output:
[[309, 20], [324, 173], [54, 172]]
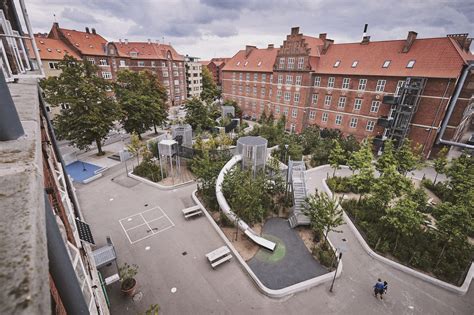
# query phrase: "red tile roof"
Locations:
[[205, 62], [147, 50], [86, 43], [259, 60], [50, 49], [314, 43], [434, 57]]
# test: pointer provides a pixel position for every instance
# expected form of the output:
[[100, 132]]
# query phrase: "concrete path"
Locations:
[[291, 261], [228, 290]]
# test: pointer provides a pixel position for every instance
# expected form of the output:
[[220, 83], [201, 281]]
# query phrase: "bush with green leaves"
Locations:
[[149, 170]]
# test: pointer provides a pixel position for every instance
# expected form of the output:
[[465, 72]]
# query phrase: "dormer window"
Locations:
[[133, 54], [386, 64], [58, 50], [354, 63], [338, 62], [411, 63]]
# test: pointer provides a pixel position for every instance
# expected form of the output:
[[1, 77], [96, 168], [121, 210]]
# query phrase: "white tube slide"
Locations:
[[231, 215]]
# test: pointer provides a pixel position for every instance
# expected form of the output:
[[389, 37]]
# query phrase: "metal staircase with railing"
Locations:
[[298, 185]]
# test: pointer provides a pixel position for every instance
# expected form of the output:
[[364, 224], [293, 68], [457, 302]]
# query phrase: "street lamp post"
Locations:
[[287, 170], [335, 273]]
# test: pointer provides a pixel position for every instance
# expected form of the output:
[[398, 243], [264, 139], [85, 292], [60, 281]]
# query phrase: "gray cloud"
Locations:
[[210, 28]]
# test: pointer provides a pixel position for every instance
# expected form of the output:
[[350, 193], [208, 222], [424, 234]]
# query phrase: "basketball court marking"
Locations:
[[143, 225]]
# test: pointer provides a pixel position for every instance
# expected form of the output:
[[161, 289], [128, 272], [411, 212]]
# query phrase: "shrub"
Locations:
[[148, 170], [324, 255], [439, 189], [340, 184]]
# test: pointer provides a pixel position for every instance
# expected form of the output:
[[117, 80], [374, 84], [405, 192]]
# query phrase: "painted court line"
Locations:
[[125, 231]]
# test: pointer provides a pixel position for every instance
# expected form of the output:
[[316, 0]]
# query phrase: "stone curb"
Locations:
[[159, 186], [298, 287], [462, 290]]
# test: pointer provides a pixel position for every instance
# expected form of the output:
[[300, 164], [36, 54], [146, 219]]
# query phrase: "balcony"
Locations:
[[390, 99], [385, 121]]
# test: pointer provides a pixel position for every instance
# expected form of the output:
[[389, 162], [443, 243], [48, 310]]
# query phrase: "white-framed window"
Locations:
[[271, 78], [312, 114], [262, 92], [163, 63], [133, 54], [254, 106], [103, 62], [254, 90], [298, 80], [362, 84], [233, 75], [255, 76], [53, 65], [280, 79], [278, 94], [165, 74], [240, 88], [292, 128], [380, 85], [324, 117], [282, 63], [375, 106], [338, 120], [370, 125], [289, 79], [317, 81], [354, 63], [270, 92], [314, 98], [353, 123], [287, 96], [277, 109], [264, 77], [294, 112], [337, 63], [153, 63], [399, 87], [357, 104], [240, 76], [331, 82], [175, 73], [285, 111], [300, 63], [262, 106], [142, 64], [291, 62], [386, 64], [122, 63], [341, 102], [247, 89], [327, 100], [296, 98], [247, 76], [345, 83], [411, 63], [91, 60], [107, 75]]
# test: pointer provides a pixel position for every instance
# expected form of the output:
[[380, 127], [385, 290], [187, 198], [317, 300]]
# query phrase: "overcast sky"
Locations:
[[219, 28]]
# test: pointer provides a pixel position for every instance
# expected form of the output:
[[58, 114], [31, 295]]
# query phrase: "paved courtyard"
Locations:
[[172, 260], [290, 263]]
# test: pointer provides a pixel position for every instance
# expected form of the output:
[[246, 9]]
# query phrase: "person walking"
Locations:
[[385, 287], [379, 288]]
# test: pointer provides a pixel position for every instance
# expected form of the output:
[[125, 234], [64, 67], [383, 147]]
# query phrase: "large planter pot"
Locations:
[[129, 286]]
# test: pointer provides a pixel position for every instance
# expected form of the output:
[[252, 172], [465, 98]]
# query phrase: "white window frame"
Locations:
[[386, 63], [345, 83], [325, 117], [298, 80], [280, 79], [294, 112], [411, 63], [291, 63], [281, 63], [317, 81], [312, 114], [300, 63], [374, 107], [357, 104], [370, 126], [279, 92], [355, 63], [337, 63], [287, 96], [380, 85], [141, 63], [399, 87], [327, 100], [255, 76], [341, 103], [296, 97], [91, 60], [338, 120], [331, 81], [353, 122], [277, 109], [103, 62], [122, 63], [362, 84], [289, 79], [107, 75], [314, 98]]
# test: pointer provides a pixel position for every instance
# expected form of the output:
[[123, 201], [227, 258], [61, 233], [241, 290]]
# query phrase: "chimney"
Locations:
[[326, 44], [365, 31], [149, 41], [271, 46], [93, 31], [248, 49], [365, 40], [126, 41], [87, 30], [409, 41], [295, 30], [323, 36]]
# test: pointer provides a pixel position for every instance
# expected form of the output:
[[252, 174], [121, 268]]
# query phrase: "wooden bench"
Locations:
[[192, 211], [219, 256]]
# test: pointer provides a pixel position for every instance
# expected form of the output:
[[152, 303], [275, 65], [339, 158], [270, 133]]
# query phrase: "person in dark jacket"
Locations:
[[379, 288]]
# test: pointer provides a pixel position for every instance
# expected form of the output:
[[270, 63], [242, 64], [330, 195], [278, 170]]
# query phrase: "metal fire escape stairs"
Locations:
[[298, 187], [404, 106]]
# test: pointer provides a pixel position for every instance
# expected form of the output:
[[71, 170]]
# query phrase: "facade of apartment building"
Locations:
[[193, 76], [215, 66], [388, 89]]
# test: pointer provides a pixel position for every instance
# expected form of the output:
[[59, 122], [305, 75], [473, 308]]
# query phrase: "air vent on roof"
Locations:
[[68, 34], [338, 62], [77, 45], [58, 50], [411, 63], [386, 64], [91, 46], [87, 36], [354, 63]]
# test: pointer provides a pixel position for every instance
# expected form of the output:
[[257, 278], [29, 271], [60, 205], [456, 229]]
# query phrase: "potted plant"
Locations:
[[127, 273]]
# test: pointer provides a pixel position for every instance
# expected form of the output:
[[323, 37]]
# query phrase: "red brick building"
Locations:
[[357, 87], [215, 66]]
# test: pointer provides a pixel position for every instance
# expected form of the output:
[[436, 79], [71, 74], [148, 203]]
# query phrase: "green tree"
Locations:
[[142, 100], [336, 156], [403, 219], [407, 158], [461, 181], [310, 139], [197, 115], [361, 161], [136, 147], [388, 157], [324, 213], [350, 145], [440, 163], [88, 111], [209, 87], [389, 184]]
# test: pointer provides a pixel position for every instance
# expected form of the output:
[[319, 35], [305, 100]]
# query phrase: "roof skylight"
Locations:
[[246, 63], [259, 64], [386, 64], [411, 63], [238, 63], [338, 62], [354, 63]]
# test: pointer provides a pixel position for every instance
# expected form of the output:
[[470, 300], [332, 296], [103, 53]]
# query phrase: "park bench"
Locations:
[[219, 256], [192, 211]]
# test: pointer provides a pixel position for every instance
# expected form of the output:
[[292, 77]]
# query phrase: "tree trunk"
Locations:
[[154, 127], [436, 176], [378, 243], [99, 147], [139, 136], [334, 172], [441, 255], [396, 244]]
